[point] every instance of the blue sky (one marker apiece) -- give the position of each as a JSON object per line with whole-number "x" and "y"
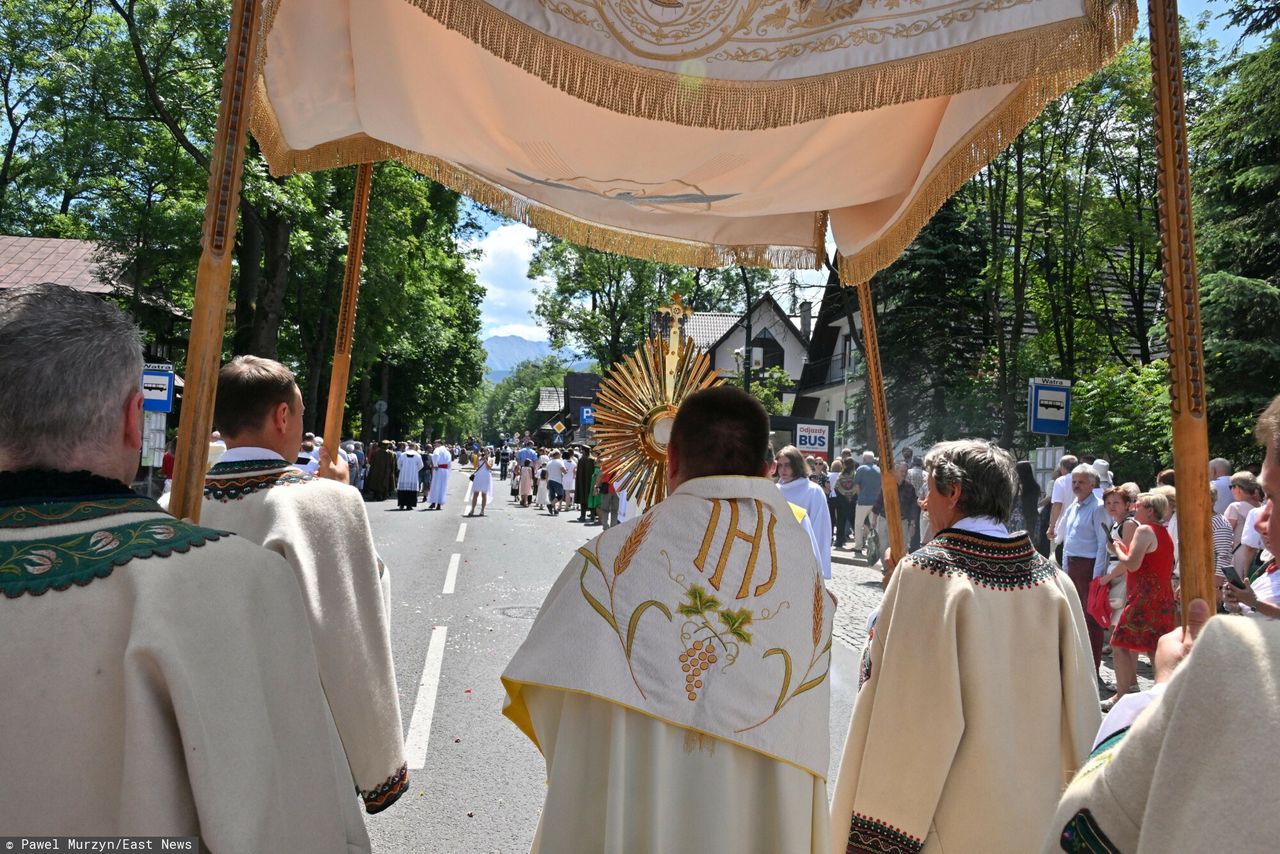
{"x": 506, "y": 247}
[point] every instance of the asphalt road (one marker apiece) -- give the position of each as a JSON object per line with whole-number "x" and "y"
{"x": 483, "y": 783}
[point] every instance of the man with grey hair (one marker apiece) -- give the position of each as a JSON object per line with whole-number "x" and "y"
{"x": 1084, "y": 535}
{"x": 867, "y": 481}
{"x": 1220, "y": 479}
{"x": 976, "y": 701}
{"x": 158, "y": 676}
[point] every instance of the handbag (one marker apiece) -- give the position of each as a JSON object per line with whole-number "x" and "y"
{"x": 1099, "y": 606}
{"x": 1118, "y": 588}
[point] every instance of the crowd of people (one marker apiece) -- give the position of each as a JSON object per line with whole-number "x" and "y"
{"x": 233, "y": 680}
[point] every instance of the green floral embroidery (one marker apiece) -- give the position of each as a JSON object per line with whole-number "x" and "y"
{"x": 58, "y": 562}
{"x": 38, "y": 515}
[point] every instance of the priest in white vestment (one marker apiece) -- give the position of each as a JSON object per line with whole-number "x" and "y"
{"x": 408, "y": 481}
{"x": 158, "y": 677}
{"x": 977, "y": 699}
{"x": 441, "y": 461}
{"x": 676, "y": 679}
{"x": 320, "y": 526}
{"x": 793, "y": 480}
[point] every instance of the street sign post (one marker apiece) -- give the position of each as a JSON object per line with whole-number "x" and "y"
{"x": 157, "y": 387}
{"x": 587, "y": 416}
{"x": 1049, "y": 406}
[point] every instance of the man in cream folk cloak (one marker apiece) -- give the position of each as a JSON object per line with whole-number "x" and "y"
{"x": 320, "y": 526}
{"x": 158, "y": 677}
{"x": 977, "y": 700}
{"x": 676, "y": 678}
{"x": 1189, "y": 765}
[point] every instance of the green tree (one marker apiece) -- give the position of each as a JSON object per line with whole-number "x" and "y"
{"x": 1239, "y": 176}
{"x": 511, "y": 407}
{"x": 1121, "y": 414}
{"x": 1242, "y": 358}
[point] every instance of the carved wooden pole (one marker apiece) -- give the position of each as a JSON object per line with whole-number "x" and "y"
{"x": 213, "y": 276}
{"x": 341, "y": 372}
{"x": 1182, "y": 301}
{"x": 875, "y": 390}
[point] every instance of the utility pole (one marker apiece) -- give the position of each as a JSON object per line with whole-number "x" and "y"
{"x": 746, "y": 350}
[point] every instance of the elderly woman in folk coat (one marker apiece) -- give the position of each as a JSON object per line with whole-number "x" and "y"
{"x": 977, "y": 700}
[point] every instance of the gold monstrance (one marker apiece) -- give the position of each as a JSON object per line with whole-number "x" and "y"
{"x": 637, "y": 403}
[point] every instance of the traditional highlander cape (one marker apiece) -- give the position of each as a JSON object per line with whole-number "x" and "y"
{"x": 1196, "y": 771}
{"x": 706, "y": 616}
{"x": 158, "y": 678}
{"x": 977, "y": 703}
{"x": 321, "y": 528}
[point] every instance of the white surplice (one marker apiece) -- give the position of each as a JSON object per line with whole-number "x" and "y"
{"x": 442, "y": 460}
{"x": 807, "y": 495}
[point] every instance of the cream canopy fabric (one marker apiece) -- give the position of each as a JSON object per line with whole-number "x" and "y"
{"x": 704, "y": 132}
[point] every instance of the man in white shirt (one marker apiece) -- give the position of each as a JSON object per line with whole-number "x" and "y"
{"x": 1060, "y": 497}
{"x": 555, "y": 483}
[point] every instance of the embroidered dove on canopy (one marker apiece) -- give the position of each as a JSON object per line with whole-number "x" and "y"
{"x": 701, "y": 132}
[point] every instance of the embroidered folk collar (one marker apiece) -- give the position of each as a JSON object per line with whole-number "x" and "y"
{"x": 229, "y": 481}
{"x": 998, "y": 563}
{"x": 45, "y": 543}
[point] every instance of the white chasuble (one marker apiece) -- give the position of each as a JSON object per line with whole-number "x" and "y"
{"x": 977, "y": 703}
{"x": 442, "y": 461}
{"x": 321, "y": 528}
{"x": 159, "y": 678}
{"x": 706, "y": 622}
{"x": 410, "y": 467}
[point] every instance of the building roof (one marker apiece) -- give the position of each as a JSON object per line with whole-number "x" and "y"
{"x": 708, "y": 327}
{"x": 32, "y": 260}
{"x": 550, "y": 399}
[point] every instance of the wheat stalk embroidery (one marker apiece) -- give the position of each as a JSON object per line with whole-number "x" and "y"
{"x": 630, "y": 547}
{"x": 786, "y": 695}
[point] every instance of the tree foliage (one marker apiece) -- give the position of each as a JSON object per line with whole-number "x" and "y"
{"x": 511, "y": 407}
{"x": 109, "y": 113}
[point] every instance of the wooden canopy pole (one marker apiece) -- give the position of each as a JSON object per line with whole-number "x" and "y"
{"x": 213, "y": 276}
{"x": 1182, "y": 305}
{"x": 875, "y": 389}
{"x": 341, "y": 372}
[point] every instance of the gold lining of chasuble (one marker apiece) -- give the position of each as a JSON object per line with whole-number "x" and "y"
{"x": 1073, "y": 47}
{"x": 353, "y": 150}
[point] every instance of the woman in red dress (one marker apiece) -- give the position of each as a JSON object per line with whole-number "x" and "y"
{"x": 1149, "y": 609}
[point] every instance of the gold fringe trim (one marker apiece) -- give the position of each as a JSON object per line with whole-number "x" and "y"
{"x": 1076, "y": 46}
{"x": 1108, "y": 26}
{"x": 979, "y": 147}
{"x": 354, "y": 150}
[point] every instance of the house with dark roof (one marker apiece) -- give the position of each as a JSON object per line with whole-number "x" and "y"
{"x": 778, "y": 339}
{"x": 79, "y": 264}
{"x": 832, "y": 375}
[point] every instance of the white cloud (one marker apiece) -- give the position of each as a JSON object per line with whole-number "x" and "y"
{"x": 503, "y": 269}
{"x": 528, "y": 331}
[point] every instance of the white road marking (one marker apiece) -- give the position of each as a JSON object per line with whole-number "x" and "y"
{"x": 462, "y": 532}
{"x": 451, "y": 577}
{"x": 424, "y": 708}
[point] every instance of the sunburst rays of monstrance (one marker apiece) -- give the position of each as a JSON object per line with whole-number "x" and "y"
{"x": 637, "y": 404}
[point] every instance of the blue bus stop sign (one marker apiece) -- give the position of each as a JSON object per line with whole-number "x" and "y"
{"x": 1049, "y": 406}
{"x": 157, "y": 387}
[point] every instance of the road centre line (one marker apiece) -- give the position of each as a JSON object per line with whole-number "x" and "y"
{"x": 451, "y": 577}
{"x": 462, "y": 532}
{"x": 424, "y": 708}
